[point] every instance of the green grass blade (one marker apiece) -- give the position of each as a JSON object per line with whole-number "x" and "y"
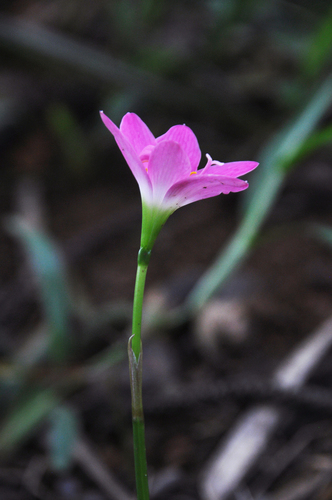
{"x": 72, "y": 141}
{"x": 315, "y": 141}
{"x": 49, "y": 268}
{"x": 275, "y": 162}
{"x": 24, "y": 418}
{"x": 320, "y": 49}
{"x": 322, "y": 232}
{"x": 62, "y": 436}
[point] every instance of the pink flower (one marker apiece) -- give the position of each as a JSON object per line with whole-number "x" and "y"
{"x": 166, "y": 168}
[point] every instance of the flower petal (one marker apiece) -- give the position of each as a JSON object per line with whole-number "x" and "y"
{"x": 200, "y": 187}
{"x": 231, "y": 169}
{"x": 137, "y": 133}
{"x": 168, "y": 164}
{"x": 184, "y": 136}
{"x": 131, "y": 158}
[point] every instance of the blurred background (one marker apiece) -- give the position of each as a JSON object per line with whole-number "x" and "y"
{"x": 236, "y": 283}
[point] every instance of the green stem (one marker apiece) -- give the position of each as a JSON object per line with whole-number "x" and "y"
{"x": 142, "y": 267}
{"x": 135, "y": 369}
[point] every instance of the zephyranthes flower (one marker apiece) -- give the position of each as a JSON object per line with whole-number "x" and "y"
{"x": 166, "y": 169}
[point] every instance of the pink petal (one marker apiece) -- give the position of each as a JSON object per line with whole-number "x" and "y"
{"x": 184, "y": 136}
{"x": 231, "y": 169}
{"x": 137, "y": 133}
{"x": 130, "y": 156}
{"x": 200, "y": 187}
{"x": 168, "y": 164}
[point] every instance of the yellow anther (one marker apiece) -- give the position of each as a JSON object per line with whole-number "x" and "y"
{"x": 191, "y": 173}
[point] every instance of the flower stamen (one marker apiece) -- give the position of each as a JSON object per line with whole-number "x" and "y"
{"x": 211, "y": 163}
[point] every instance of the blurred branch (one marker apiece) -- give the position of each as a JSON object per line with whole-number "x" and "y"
{"x": 249, "y": 436}
{"x": 96, "y": 469}
{"x": 35, "y": 41}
